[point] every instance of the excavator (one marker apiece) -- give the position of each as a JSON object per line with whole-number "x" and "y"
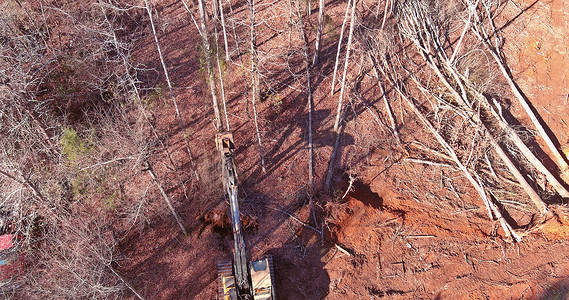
{"x": 238, "y": 278}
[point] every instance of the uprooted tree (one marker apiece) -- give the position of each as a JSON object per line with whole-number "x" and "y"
{"x": 461, "y": 101}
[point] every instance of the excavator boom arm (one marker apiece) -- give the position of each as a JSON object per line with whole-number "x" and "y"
{"x": 254, "y": 279}
{"x": 224, "y": 142}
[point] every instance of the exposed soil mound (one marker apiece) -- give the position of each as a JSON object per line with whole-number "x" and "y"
{"x": 407, "y": 250}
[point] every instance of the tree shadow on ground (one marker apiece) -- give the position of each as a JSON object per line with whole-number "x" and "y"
{"x": 297, "y": 260}
{"x": 558, "y": 290}
{"x": 277, "y": 154}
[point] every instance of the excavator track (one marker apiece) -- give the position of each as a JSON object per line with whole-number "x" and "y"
{"x": 226, "y": 281}
{"x": 272, "y": 271}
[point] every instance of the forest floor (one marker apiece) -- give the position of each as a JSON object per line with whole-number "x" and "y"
{"x": 404, "y": 230}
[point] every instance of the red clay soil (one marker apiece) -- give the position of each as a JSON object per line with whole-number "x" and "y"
{"x": 403, "y": 231}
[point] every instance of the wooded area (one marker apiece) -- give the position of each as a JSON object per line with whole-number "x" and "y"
{"x": 108, "y": 111}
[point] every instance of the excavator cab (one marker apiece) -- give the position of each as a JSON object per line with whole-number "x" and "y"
{"x": 262, "y": 278}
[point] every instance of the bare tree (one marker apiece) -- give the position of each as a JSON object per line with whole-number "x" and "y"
{"x": 486, "y": 16}
{"x": 78, "y": 263}
{"x": 148, "y": 169}
{"x": 491, "y": 207}
{"x": 340, "y": 47}
{"x": 220, "y": 73}
{"x": 339, "y": 110}
{"x": 170, "y": 89}
{"x": 209, "y": 66}
{"x": 222, "y": 16}
{"x": 346, "y": 64}
{"x": 319, "y": 32}
{"x": 307, "y": 69}
{"x": 255, "y": 78}
{"x": 418, "y": 18}
{"x": 45, "y": 172}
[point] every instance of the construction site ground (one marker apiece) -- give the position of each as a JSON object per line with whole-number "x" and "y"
{"x": 404, "y": 230}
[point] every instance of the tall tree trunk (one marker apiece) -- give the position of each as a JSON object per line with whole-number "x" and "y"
{"x": 132, "y": 82}
{"x": 166, "y": 199}
{"x": 235, "y": 39}
{"x": 339, "y": 47}
{"x": 255, "y": 79}
{"x": 220, "y": 72}
{"x": 170, "y": 89}
{"x": 222, "y": 15}
{"x": 339, "y": 114}
{"x": 384, "y": 14}
{"x": 346, "y": 63}
{"x": 192, "y": 16}
{"x": 305, "y": 52}
{"x": 305, "y": 49}
{"x": 319, "y": 32}
{"x": 207, "y": 55}
{"x": 328, "y": 181}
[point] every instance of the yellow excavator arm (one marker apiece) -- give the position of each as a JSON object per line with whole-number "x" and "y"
{"x": 238, "y": 279}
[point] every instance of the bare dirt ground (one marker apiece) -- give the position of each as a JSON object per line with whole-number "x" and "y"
{"x": 404, "y": 231}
